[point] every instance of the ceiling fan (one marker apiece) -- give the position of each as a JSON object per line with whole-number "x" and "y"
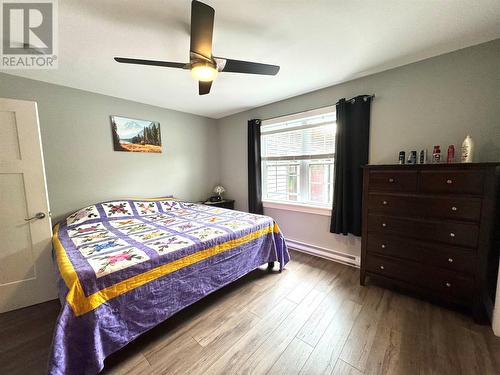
{"x": 203, "y": 65}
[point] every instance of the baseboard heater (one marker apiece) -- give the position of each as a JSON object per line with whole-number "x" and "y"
{"x": 336, "y": 256}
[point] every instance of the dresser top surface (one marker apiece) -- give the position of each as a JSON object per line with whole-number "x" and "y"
{"x": 434, "y": 166}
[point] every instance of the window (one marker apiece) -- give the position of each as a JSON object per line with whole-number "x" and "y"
{"x": 297, "y": 158}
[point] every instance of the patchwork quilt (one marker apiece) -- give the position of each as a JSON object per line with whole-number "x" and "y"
{"x": 127, "y": 265}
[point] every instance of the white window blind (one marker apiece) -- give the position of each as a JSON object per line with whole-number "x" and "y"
{"x": 297, "y": 158}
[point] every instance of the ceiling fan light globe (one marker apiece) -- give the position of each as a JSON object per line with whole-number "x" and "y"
{"x": 204, "y": 73}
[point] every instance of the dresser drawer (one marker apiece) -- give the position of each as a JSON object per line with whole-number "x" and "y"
{"x": 453, "y": 233}
{"x": 396, "y": 181}
{"x": 443, "y": 282}
{"x": 446, "y": 208}
{"x": 452, "y": 182}
{"x": 436, "y": 255}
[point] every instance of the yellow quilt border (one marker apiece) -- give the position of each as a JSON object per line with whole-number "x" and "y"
{"x": 81, "y": 304}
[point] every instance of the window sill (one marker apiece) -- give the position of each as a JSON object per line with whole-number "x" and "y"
{"x": 298, "y": 207}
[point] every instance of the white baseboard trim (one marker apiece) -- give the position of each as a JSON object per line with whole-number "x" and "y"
{"x": 336, "y": 256}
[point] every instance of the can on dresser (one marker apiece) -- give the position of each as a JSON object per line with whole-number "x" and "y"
{"x": 412, "y": 159}
{"x": 402, "y": 157}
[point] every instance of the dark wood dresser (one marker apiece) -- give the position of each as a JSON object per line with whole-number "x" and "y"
{"x": 432, "y": 229}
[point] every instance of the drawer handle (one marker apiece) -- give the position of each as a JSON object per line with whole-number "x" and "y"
{"x": 391, "y": 180}
{"x": 384, "y": 225}
{"x": 450, "y": 260}
{"x": 448, "y": 285}
{"x": 384, "y": 203}
{"x": 382, "y": 267}
{"x": 453, "y": 208}
{"x": 383, "y": 246}
{"x": 449, "y": 182}
{"x": 452, "y": 234}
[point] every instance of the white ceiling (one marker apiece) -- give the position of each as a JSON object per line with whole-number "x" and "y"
{"x": 317, "y": 43}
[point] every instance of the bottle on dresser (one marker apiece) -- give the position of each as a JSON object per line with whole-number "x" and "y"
{"x": 436, "y": 154}
{"x": 467, "y": 150}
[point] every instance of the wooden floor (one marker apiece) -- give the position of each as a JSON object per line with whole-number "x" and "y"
{"x": 313, "y": 318}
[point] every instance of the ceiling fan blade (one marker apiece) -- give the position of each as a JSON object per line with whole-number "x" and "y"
{"x": 239, "y": 66}
{"x": 204, "y": 87}
{"x": 167, "y": 64}
{"x": 202, "y": 27}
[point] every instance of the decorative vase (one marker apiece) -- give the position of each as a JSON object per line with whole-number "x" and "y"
{"x": 467, "y": 150}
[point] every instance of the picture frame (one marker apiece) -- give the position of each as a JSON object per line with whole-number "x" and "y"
{"x": 135, "y": 135}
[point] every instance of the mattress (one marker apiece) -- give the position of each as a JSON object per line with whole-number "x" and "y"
{"x": 125, "y": 266}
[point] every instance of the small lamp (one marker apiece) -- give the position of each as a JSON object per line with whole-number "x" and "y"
{"x": 219, "y": 189}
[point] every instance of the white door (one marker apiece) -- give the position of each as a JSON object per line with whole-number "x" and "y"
{"x": 26, "y": 272}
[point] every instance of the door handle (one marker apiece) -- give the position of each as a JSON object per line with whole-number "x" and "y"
{"x": 39, "y": 215}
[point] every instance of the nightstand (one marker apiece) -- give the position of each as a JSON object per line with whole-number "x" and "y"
{"x": 225, "y": 203}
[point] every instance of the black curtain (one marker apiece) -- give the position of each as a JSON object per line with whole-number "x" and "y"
{"x": 254, "y": 168}
{"x": 351, "y": 154}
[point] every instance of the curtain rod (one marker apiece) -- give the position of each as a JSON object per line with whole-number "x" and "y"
{"x": 313, "y": 109}
{"x": 352, "y": 100}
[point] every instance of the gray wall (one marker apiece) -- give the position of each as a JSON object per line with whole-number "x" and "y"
{"x": 80, "y": 163}
{"x": 434, "y": 101}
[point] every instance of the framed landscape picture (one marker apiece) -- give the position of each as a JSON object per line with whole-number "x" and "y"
{"x": 134, "y": 135}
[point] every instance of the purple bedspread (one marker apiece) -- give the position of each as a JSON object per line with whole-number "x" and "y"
{"x": 125, "y": 266}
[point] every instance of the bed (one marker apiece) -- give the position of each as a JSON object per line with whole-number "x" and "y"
{"x": 125, "y": 266}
